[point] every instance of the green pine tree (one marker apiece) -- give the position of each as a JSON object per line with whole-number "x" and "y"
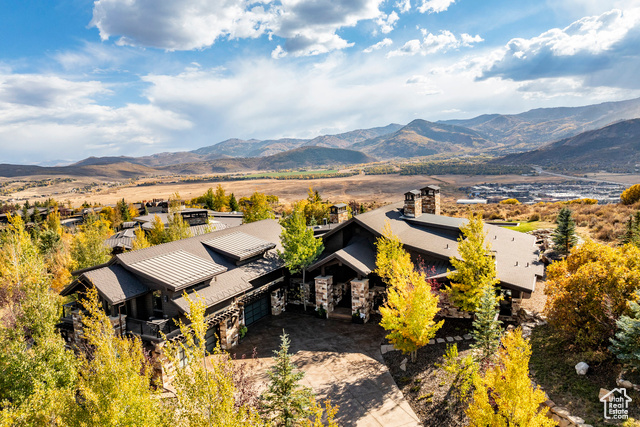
{"x": 285, "y": 401}
{"x": 632, "y": 230}
{"x": 564, "y": 237}
{"x": 626, "y": 344}
{"x": 233, "y": 203}
{"x": 487, "y": 329}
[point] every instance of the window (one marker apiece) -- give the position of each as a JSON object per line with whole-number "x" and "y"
{"x": 157, "y": 303}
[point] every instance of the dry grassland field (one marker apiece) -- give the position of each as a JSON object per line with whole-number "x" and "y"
{"x": 361, "y": 188}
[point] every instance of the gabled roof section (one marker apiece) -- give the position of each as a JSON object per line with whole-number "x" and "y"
{"x": 239, "y": 246}
{"x": 113, "y": 283}
{"x": 359, "y": 256}
{"x": 177, "y": 270}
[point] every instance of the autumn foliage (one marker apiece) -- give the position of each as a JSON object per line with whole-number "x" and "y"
{"x": 588, "y": 291}
{"x": 505, "y": 396}
{"x": 631, "y": 195}
{"x": 411, "y": 304}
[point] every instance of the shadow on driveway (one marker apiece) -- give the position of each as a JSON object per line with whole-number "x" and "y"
{"x": 341, "y": 361}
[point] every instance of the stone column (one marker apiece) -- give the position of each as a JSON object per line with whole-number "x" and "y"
{"x": 324, "y": 293}
{"x": 78, "y": 328}
{"x": 278, "y": 301}
{"x": 360, "y": 299}
{"x": 229, "y": 330}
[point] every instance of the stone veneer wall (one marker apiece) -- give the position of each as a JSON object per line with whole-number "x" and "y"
{"x": 324, "y": 292}
{"x": 431, "y": 204}
{"x": 278, "y": 301}
{"x": 338, "y": 218}
{"x": 413, "y": 206}
{"x": 229, "y": 330}
{"x": 360, "y": 298}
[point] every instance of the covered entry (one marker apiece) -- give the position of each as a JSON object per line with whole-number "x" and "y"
{"x": 343, "y": 278}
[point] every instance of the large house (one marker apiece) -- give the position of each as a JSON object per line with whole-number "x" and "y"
{"x": 240, "y": 277}
{"x": 344, "y": 275}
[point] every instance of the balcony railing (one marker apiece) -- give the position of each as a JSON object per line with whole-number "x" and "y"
{"x": 151, "y": 328}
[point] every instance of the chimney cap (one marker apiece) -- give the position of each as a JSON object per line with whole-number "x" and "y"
{"x": 339, "y": 205}
{"x": 414, "y": 192}
{"x": 431, "y": 187}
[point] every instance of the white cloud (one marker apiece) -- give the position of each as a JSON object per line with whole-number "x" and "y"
{"x": 308, "y": 27}
{"x": 387, "y": 22}
{"x": 47, "y": 116}
{"x": 433, "y": 43}
{"x": 435, "y": 6}
{"x": 602, "y": 48}
{"x": 383, "y": 43}
{"x": 403, "y": 6}
{"x": 278, "y": 52}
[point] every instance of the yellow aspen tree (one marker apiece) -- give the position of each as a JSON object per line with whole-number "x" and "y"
{"x": 411, "y": 305}
{"x": 114, "y": 384}
{"x": 141, "y": 241}
{"x": 204, "y": 387}
{"x": 505, "y": 396}
{"x": 474, "y": 270}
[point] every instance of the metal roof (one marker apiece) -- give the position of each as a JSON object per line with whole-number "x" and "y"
{"x": 234, "y": 282}
{"x": 414, "y": 192}
{"x": 239, "y": 246}
{"x": 178, "y": 269}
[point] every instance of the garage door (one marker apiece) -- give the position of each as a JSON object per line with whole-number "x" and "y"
{"x": 257, "y": 310}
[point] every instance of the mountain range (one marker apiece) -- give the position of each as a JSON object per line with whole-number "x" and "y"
{"x": 496, "y": 134}
{"x": 616, "y": 147}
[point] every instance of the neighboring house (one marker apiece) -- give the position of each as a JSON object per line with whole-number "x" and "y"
{"x": 200, "y": 222}
{"x": 195, "y": 217}
{"x": 241, "y": 278}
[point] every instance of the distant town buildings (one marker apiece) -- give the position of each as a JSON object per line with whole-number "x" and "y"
{"x": 548, "y": 192}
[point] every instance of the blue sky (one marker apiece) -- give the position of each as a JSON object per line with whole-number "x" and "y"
{"x": 135, "y": 77}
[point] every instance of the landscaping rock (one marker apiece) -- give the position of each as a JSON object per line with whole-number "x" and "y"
{"x": 467, "y": 336}
{"x": 603, "y": 393}
{"x": 625, "y": 383}
{"x": 457, "y": 338}
{"x": 582, "y": 368}
{"x": 450, "y": 339}
{"x": 440, "y": 340}
{"x": 575, "y": 420}
{"x": 403, "y": 364}
{"x": 432, "y": 341}
{"x": 560, "y": 411}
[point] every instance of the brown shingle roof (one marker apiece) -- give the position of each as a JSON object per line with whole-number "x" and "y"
{"x": 436, "y": 236}
{"x": 114, "y": 283}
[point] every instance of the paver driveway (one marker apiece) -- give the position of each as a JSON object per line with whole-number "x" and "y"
{"x": 341, "y": 361}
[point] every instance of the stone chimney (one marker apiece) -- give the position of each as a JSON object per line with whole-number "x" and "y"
{"x": 431, "y": 199}
{"x": 338, "y": 213}
{"x": 412, "y": 204}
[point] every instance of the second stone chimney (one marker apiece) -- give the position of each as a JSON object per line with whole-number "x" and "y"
{"x": 412, "y": 204}
{"x": 338, "y": 213}
{"x": 430, "y": 199}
